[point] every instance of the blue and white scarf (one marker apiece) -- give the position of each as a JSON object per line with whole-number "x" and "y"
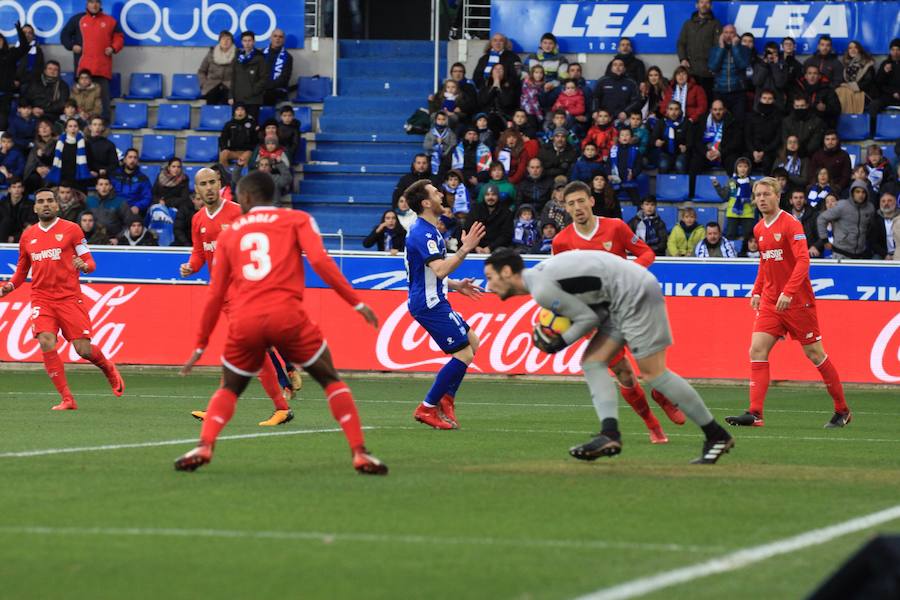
{"x": 82, "y": 172}
{"x": 244, "y": 57}
{"x": 614, "y": 161}
{"x": 161, "y": 221}
{"x": 460, "y": 198}
{"x": 671, "y": 128}
{"x": 712, "y": 134}
{"x": 278, "y": 65}
{"x": 817, "y": 194}
{"x": 792, "y": 165}
{"x": 437, "y": 151}
{"x": 32, "y": 56}
{"x": 743, "y": 193}
{"x": 493, "y": 59}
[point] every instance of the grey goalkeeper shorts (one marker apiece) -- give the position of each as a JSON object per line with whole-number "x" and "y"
{"x": 642, "y": 322}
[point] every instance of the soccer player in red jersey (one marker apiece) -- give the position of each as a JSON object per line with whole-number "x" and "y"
{"x": 259, "y": 268}
{"x": 206, "y": 226}
{"x": 589, "y": 232}
{"x": 784, "y": 303}
{"x": 56, "y": 253}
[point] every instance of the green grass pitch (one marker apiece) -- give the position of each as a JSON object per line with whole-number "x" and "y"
{"x": 495, "y": 510}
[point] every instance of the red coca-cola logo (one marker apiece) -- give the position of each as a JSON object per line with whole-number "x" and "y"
{"x": 884, "y": 359}
{"x": 505, "y": 347}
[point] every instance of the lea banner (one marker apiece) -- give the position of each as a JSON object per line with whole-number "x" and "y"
{"x": 163, "y": 22}
{"x": 595, "y": 27}
{"x": 156, "y": 324}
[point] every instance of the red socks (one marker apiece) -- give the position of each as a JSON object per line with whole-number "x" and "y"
{"x": 833, "y": 384}
{"x": 54, "y": 366}
{"x": 218, "y": 413}
{"x": 343, "y": 409}
{"x": 759, "y": 385}
{"x": 99, "y": 360}
{"x": 636, "y": 398}
{"x": 269, "y": 380}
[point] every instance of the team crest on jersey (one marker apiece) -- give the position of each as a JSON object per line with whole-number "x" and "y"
{"x": 225, "y": 226}
{"x": 777, "y": 237}
{"x": 203, "y": 230}
{"x": 58, "y": 237}
{"x": 607, "y": 246}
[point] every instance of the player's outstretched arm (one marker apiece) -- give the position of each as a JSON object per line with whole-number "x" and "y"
{"x": 368, "y": 314}
{"x": 189, "y": 365}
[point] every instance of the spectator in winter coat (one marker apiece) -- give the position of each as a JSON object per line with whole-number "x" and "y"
{"x": 136, "y": 234}
{"x": 826, "y": 62}
{"x": 449, "y": 101}
{"x": 238, "y": 138}
{"x": 505, "y": 189}
{"x": 101, "y": 38}
{"x": 555, "y": 210}
{"x": 603, "y": 134}
{"x": 738, "y": 193}
{"x": 587, "y": 165}
{"x": 456, "y": 194}
{"x": 419, "y": 169}
{"x": 171, "y": 185}
{"x": 685, "y": 235}
{"x": 70, "y": 38}
{"x": 471, "y": 157}
{"x": 553, "y": 64}
{"x": 878, "y": 169}
{"x": 510, "y": 152}
{"x": 102, "y": 155}
{"x": 717, "y": 140}
{"x": 795, "y": 166}
{"x": 497, "y": 217}
{"x": 640, "y": 133}
{"x": 22, "y": 125}
{"x": 498, "y": 51}
{"x": 806, "y": 126}
{"x": 70, "y": 111}
{"x": 72, "y": 201}
{"x": 131, "y": 184}
{"x": 70, "y": 158}
{"x": 183, "y": 220}
{"x": 558, "y": 155}
{"x": 465, "y": 90}
{"x": 698, "y": 36}
{"x": 625, "y": 165}
{"x": 498, "y": 98}
{"x": 821, "y": 97}
{"x": 606, "y": 204}
{"x": 532, "y": 93}
{"x": 669, "y": 140}
{"x": 850, "y": 223}
{"x": 771, "y": 74}
{"x": 807, "y": 215}
{"x": 858, "y": 79}
{"x": 715, "y": 245}
{"x": 216, "y": 72}
{"x": 280, "y": 65}
{"x": 535, "y": 188}
{"x": 634, "y": 67}
{"x": 288, "y": 131}
{"x": 439, "y": 143}
{"x": 688, "y": 93}
{"x": 388, "y": 235}
{"x": 111, "y": 211}
{"x": 522, "y": 122}
{"x": 728, "y": 62}
{"x": 789, "y": 58}
{"x": 762, "y": 133}
{"x": 545, "y": 244}
{"x": 12, "y": 163}
{"x": 525, "y": 229}
{"x": 48, "y": 94}
{"x": 617, "y": 93}
{"x": 31, "y": 65}
{"x": 94, "y": 234}
{"x": 16, "y": 212}
{"x": 835, "y": 159}
{"x": 281, "y": 174}
{"x": 886, "y": 91}
{"x": 880, "y": 236}
{"x": 251, "y": 76}
{"x": 87, "y": 95}
{"x": 9, "y": 57}
{"x": 572, "y": 101}
{"x": 820, "y": 189}
{"x": 40, "y": 158}
{"x": 649, "y": 227}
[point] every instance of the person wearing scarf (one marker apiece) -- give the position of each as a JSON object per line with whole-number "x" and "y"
{"x": 135, "y": 234}
{"x": 30, "y": 65}
{"x": 172, "y": 186}
{"x": 439, "y": 142}
{"x": 48, "y": 94}
{"x": 387, "y": 236}
{"x": 496, "y": 52}
{"x": 471, "y": 157}
{"x": 686, "y": 234}
{"x": 648, "y": 226}
{"x": 625, "y": 165}
{"x": 739, "y": 216}
{"x": 669, "y": 140}
{"x": 859, "y": 79}
{"x": 251, "y": 76}
{"x": 216, "y": 72}
{"x": 549, "y": 58}
{"x": 70, "y": 158}
{"x": 456, "y": 193}
{"x": 281, "y": 66}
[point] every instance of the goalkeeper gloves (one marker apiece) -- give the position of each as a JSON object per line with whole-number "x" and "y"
{"x": 548, "y": 342}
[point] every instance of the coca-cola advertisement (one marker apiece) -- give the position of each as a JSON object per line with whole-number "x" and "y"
{"x": 156, "y": 324}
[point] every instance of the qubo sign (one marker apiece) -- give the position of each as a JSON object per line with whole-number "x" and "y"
{"x": 164, "y": 22}
{"x": 654, "y": 27}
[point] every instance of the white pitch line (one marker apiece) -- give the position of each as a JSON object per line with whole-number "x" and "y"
{"x": 105, "y": 447}
{"x": 330, "y": 537}
{"x": 742, "y": 558}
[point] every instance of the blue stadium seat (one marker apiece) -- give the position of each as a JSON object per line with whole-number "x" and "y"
{"x": 304, "y": 117}
{"x": 853, "y": 128}
{"x": 145, "y": 86}
{"x": 185, "y": 86}
{"x": 68, "y": 77}
{"x": 115, "y": 86}
{"x": 669, "y": 215}
{"x": 213, "y": 117}
{"x": 158, "y": 147}
{"x": 313, "y": 89}
{"x": 130, "y": 116}
{"x": 707, "y": 214}
{"x": 705, "y": 192}
{"x": 672, "y": 188}
{"x": 201, "y": 148}
{"x": 190, "y": 171}
{"x": 173, "y": 116}
{"x": 890, "y": 153}
{"x": 855, "y": 152}
{"x": 151, "y": 171}
{"x": 887, "y": 127}
{"x": 122, "y": 142}
{"x": 266, "y": 113}
{"x": 628, "y": 211}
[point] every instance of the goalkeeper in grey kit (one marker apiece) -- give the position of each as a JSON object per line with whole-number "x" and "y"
{"x": 623, "y": 302}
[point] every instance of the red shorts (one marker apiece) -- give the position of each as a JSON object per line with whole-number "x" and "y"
{"x": 619, "y": 357}
{"x": 51, "y": 316}
{"x": 293, "y": 334}
{"x": 802, "y": 323}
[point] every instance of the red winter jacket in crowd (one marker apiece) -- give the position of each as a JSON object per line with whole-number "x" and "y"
{"x": 99, "y": 32}
{"x": 697, "y": 103}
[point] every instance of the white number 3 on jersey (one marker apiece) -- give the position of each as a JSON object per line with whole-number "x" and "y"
{"x": 261, "y": 262}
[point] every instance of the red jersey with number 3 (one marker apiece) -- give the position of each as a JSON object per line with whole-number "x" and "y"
{"x": 258, "y": 264}
{"x": 610, "y": 235}
{"x": 205, "y": 231}
{"x": 49, "y": 254}
{"x": 783, "y": 261}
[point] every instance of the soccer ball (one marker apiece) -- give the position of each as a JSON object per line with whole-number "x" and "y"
{"x": 552, "y": 323}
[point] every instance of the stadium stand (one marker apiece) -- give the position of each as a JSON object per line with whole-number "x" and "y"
{"x": 157, "y": 148}
{"x": 213, "y": 117}
{"x": 185, "y": 86}
{"x": 173, "y": 116}
{"x": 201, "y": 148}
{"x": 145, "y": 86}
{"x": 130, "y": 116}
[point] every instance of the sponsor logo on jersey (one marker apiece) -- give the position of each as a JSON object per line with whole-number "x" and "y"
{"x": 48, "y": 254}
{"x": 432, "y": 247}
{"x": 209, "y": 246}
{"x": 775, "y": 254}
{"x": 800, "y": 236}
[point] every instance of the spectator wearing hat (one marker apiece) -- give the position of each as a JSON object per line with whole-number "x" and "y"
{"x": 471, "y": 157}
{"x": 135, "y": 234}
{"x": 886, "y": 91}
{"x": 545, "y": 244}
{"x": 558, "y": 155}
{"x": 216, "y": 72}
{"x": 496, "y": 215}
{"x": 251, "y": 76}
{"x": 281, "y": 65}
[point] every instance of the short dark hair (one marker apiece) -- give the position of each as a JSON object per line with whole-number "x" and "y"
{"x": 248, "y": 33}
{"x": 258, "y": 186}
{"x": 830, "y": 132}
{"x": 714, "y": 224}
{"x": 226, "y": 33}
{"x": 6, "y": 136}
{"x": 286, "y": 108}
{"x": 458, "y": 64}
{"x": 129, "y": 151}
{"x": 576, "y": 186}
{"x": 505, "y": 257}
{"x": 636, "y": 112}
{"x": 44, "y": 189}
{"x": 11, "y": 181}
{"x": 415, "y": 194}
{"x": 649, "y": 198}
{"x": 106, "y": 177}
{"x": 66, "y": 183}
{"x": 102, "y": 120}
{"x": 87, "y": 72}
{"x": 51, "y": 62}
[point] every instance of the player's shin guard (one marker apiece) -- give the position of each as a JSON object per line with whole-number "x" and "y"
{"x": 637, "y": 400}
{"x": 99, "y": 360}
{"x": 759, "y": 385}
{"x": 269, "y": 380}
{"x": 54, "y": 366}
{"x": 218, "y": 413}
{"x": 833, "y": 384}
{"x": 675, "y": 388}
{"x": 603, "y": 390}
{"x": 343, "y": 409}
{"x": 448, "y": 378}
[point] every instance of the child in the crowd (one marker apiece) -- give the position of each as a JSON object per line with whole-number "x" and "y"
{"x": 749, "y": 247}
{"x": 625, "y": 164}
{"x": 587, "y": 165}
{"x": 830, "y": 201}
{"x": 861, "y": 173}
{"x": 545, "y": 244}
{"x": 22, "y": 125}
{"x": 878, "y": 169}
{"x": 817, "y": 192}
{"x": 456, "y": 194}
{"x": 649, "y": 227}
{"x": 405, "y": 214}
{"x": 523, "y": 124}
{"x": 532, "y": 90}
{"x": 525, "y": 230}
{"x": 70, "y": 111}
{"x": 602, "y": 133}
{"x": 439, "y": 142}
{"x": 570, "y": 100}
{"x": 639, "y": 133}
{"x": 485, "y": 135}
{"x": 554, "y": 121}
{"x": 446, "y": 101}
{"x": 739, "y": 217}
{"x": 288, "y": 131}
{"x": 686, "y": 234}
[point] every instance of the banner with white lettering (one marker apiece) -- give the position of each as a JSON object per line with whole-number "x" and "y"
{"x": 596, "y": 27}
{"x": 163, "y": 22}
